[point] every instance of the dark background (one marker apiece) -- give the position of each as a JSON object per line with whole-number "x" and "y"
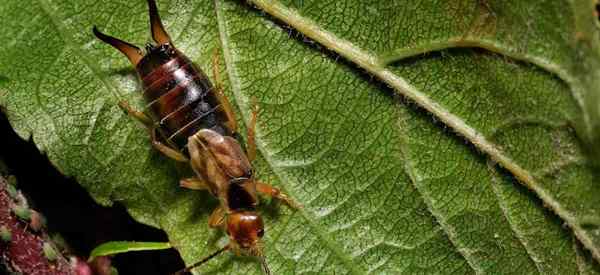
{"x": 71, "y": 212}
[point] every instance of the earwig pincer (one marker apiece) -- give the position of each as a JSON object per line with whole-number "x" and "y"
{"x": 190, "y": 120}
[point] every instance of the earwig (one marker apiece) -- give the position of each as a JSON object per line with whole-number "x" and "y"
{"x": 191, "y": 120}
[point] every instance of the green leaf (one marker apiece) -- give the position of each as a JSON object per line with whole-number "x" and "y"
{"x": 112, "y": 248}
{"x": 499, "y": 93}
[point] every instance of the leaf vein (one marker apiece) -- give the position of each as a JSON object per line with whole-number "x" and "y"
{"x": 68, "y": 38}
{"x": 236, "y": 87}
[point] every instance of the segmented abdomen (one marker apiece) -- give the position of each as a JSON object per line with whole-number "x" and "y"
{"x": 180, "y": 98}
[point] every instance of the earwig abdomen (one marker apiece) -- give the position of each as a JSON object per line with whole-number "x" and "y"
{"x": 180, "y": 97}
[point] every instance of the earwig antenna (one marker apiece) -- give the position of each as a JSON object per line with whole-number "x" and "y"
{"x": 133, "y": 53}
{"x": 189, "y": 268}
{"x": 265, "y": 267}
{"x": 158, "y": 30}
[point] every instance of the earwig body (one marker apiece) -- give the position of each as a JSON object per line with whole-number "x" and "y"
{"x": 180, "y": 98}
{"x": 196, "y": 124}
{"x": 181, "y": 102}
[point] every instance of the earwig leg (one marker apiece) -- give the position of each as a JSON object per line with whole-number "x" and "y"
{"x": 170, "y": 153}
{"x": 225, "y": 104}
{"x": 251, "y": 134}
{"x": 270, "y": 191}
{"x": 166, "y": 150}
{"x": 193, "y": 183}
{"x": 141, "y": 117}
{"x": 217, "y": 218}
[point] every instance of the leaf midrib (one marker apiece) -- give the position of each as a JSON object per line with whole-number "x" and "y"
{"x": 375, "y": 67}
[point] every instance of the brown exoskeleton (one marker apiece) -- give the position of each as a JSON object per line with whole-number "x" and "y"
{"x": 190, "y": 120}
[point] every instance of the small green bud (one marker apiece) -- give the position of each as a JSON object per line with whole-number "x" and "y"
{"x": 22, "y": 212}
{"x": 5, "y": 234}
{"x": 59, "y": 241}
{"x": 12, "y": 180}
{"x": 12, "y": 191}
{"x": 49, "y": 252}
{"x": 113, "y": 271}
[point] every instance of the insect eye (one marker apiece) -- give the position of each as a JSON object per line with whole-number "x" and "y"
{"x": 260, "y": 233}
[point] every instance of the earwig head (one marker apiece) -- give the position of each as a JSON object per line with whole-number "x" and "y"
{"x": 245, "y": 229}
{"x": 133, "y": 53}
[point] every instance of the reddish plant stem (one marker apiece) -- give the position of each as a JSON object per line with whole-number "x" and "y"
{"x": 23, "y": 253}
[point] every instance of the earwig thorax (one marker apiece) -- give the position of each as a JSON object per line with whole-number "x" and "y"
{"x": 227, "y": 152}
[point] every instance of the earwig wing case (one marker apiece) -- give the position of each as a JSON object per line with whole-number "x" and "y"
{"x": 451, "y": 137}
